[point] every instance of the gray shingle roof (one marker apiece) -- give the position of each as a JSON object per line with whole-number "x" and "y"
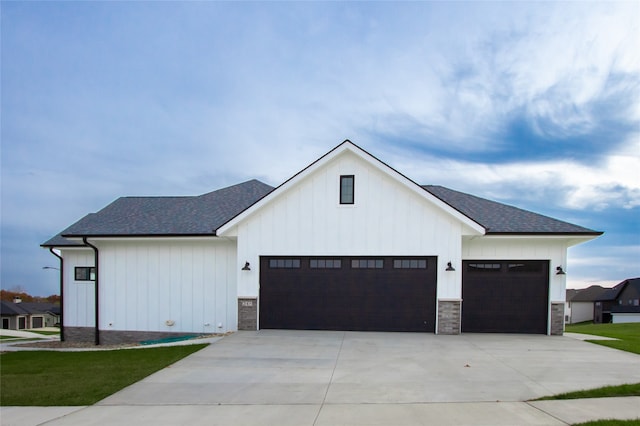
{"x": 498, "y": 218}
{"x": 28, "y": 308}
{"x": 625, "y": 309}
{"x": 614, "y": 292}
{"x": 11, "y": 309}
{"x": 203, "y": 214}
{"x": 589, "y": 294}
{"x": 158, "y": 216}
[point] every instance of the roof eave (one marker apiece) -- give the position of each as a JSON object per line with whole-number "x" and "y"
{"x": 74, "y": 237}
{"x": 571, "y": 238}
{"x": 560, "y": 234}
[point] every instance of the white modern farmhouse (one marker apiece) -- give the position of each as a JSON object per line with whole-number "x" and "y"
{"x": 348, "y": 243}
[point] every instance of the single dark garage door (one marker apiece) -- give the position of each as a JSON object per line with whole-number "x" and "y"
{"x": 348, "y": 293}
{"x": 505, "y": 296}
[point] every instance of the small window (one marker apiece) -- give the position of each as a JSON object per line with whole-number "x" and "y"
{"x": 525, "y": 267}
{"x": 485, "y": 267}
{"x": 367, "y": 263}
{"x": 410, "y": 263}
{"x": 347, "y": 189}
{"x": 85, "y": 273}
{"x": 325, "y": 263}
{"x": 284, "y": 263}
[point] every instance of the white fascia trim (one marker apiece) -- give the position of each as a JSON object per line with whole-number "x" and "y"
{"x": 144, "y": 238}
{"x": 383, "y": 167}
{"x": 570, "y": 239}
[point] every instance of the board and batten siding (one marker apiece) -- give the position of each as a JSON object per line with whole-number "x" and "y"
{"x": 147, "y": 284}
{"x": 79, "y": 296}
{"x": 387, "y": 218}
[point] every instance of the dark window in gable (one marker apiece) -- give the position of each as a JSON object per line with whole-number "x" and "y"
{"x": 85, "y": 273}
{"x": 347, "y": 189}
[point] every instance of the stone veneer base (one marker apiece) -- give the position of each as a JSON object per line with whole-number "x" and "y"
{"x": 449, "y": 316}
{"x": 247, "y": 313}
{"x": 557, "y": 318}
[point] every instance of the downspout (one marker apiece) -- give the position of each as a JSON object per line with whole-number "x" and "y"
{"x": 95, "y": 251}
{"x": 61, "y": 292}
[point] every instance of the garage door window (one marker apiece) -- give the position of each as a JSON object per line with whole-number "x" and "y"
{"x": 325, "y": 263}
{"x": 410, "y": 263}
{"x": 367, "y": 263}
{"x": 485, "y": 267}
{"x": 535, "y": 267}
{"x": 284, "y": 263}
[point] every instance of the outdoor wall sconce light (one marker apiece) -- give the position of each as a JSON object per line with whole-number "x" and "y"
{"x": 246, "y": 267}
{"x": 559, "y": 271}
{"x": 450, "y": 267}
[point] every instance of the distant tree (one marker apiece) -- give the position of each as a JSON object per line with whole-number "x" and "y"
{"x": 54, "y": 298}
{"x": 10, "y": 295}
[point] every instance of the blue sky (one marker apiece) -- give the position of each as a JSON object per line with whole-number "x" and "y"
{"x": 532, "y": 104}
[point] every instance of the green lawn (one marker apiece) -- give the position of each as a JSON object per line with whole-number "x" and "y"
{"x": 44, "y": 332}
{"x": 631, "y": 389}
{"x": 629, "y": 334}
{"x": 610, "y": 422}
{"x": 49, "y": 378}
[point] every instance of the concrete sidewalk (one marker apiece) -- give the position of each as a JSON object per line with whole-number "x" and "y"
{"x": 455, "y": 414}
{"x": 332, "y": 378}
{"x": 26, "y": 334}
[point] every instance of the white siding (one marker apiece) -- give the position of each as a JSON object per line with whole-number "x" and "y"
{"x": 620, "y": 318}
{"x": 79, "y": 296}
{"x": 581, "y": 311}
{"x": 387, "y": 218}
{"x": 146, "y": 282}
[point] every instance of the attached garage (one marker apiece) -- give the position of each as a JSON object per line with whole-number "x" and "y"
{"x": 505, "y": 296}
{"x": 370, "y": 293}
{"x": 347, "y": 243}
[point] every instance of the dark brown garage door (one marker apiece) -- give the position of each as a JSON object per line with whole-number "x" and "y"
{"x": 37, "y": 322}
{"x": 348, "y": 293}
{"x": 505, "y": 296}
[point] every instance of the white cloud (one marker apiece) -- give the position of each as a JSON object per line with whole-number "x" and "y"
{"x": 554, "y": 62}
{"x": 614, "y": 182}
{"x": 588, "y": 267}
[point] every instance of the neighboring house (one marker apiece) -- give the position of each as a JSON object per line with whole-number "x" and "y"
{"x": 582, "y": 304}
{"x": 27, "y": 315}
{"x": 567, "y": 304}
{"x": 620, "y": 303}
{"x": 348, "y": 243}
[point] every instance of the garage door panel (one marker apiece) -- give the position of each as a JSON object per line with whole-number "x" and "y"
{"x": 348, "y": 298}
{"x": 505, "y": 296}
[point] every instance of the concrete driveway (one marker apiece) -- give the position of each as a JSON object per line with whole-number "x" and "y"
{"x": 328, "y": 378}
